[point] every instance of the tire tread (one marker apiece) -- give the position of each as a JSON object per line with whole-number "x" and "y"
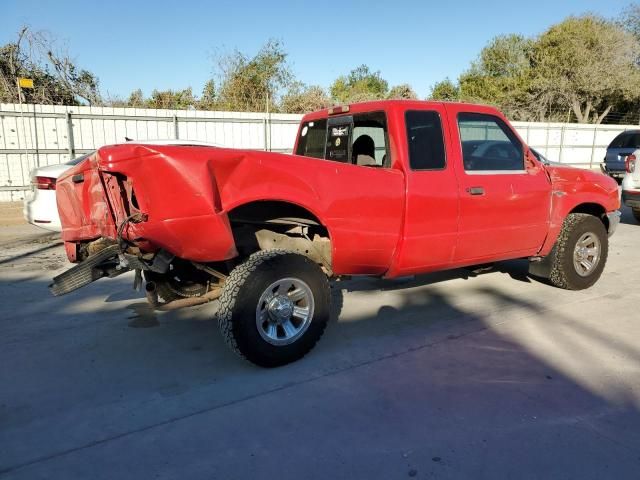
{"x": 230, "y": 292}
{"x": 559, "y": 276}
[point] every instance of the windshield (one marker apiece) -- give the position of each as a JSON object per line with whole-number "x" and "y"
{"x": 626, "y": 140}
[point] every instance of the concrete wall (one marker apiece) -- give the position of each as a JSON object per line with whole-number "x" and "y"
{"x": 45, "y": 135}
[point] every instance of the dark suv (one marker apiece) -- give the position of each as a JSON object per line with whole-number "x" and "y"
{"x": 617, "y": 151}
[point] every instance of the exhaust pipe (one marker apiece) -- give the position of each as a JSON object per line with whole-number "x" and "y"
{"x": 152, "y": 298}
{"x": 151, "y": 293}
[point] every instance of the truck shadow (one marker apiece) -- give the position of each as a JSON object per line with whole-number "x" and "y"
{"x": 471, "y": 356}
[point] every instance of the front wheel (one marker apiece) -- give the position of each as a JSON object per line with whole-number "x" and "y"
{"x": 580, "y": 253}
{"x": 274, "y": 307}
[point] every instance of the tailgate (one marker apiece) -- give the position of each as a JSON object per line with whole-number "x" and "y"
{"x": 83, "y": 206}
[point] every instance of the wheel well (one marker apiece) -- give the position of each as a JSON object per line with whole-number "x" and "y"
{"x": 268, "y": 224}
{"x": 594, "y": 209}
{"x": 265, "y": 210}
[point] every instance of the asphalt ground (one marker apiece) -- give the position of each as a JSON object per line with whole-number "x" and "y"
{"x": 448, "y": 375}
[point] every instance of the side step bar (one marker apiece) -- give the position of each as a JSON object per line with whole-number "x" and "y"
{"x": 84, "y": 273}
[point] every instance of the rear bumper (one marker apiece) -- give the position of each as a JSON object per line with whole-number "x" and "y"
{"x": 612, "y": 172}
{"x": 631, "y": 198}
{"x": 40, "y": 209}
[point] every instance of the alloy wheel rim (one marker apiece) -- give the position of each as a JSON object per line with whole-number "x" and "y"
{"x": 586, "y": 254}
{"x": 284, "y": 311}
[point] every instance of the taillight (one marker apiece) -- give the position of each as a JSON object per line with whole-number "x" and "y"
{"x": 630, "y": 163}
{"x": 44, "y": 183}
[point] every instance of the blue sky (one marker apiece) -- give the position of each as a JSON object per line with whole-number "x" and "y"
{"x": 171, "y": 44}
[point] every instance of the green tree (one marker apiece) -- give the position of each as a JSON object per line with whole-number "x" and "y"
{"x": 502, "y": 76}
{"x": 208, "y": 99}
{"x": 171, "y": 99}
{"x": 587, "y": 64}
{"x": 57, "y": 79}
{"x": 359, "y": 85}
{"x": 445, "y": 90}
{"x": 301, "y": 98}
{"x": 248, "y": 83}
{"x": 136, "y": 99}
{"x": 402, "y": 92}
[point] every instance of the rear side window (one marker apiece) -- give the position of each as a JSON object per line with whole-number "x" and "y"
{"x": 425, "y": 139}
{"x": 488, "y": 144}
{"x": 626, "y": 140}
{"x": 369, "y": 143}
{"x": 359, "y": 139}
{"x": 312, "y": 139}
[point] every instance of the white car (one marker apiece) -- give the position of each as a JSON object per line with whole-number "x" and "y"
{"x": 40, "y": 208}
{"x": 631, "y": 183}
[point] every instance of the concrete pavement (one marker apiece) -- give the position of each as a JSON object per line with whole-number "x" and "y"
{"x": 449, "y": 375}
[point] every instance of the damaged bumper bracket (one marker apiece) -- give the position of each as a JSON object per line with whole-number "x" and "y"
{"x": 84, "y": 273}
{"x": 108, "y": 262}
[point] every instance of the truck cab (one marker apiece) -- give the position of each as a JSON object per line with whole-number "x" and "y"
{"x": 473, "y": 191}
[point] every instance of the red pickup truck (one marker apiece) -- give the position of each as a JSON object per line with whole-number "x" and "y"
{"x": 389, "y": 188}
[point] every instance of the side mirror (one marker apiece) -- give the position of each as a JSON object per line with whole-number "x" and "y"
{"x": 531, "y": 163}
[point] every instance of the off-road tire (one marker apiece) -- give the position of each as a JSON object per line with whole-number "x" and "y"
{"x": 239, "y": 300}
{"x": 636, "y": 213}
{"x": 563, "y": 273}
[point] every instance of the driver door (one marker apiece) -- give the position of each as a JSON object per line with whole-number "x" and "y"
{"x": 504, "y": 201}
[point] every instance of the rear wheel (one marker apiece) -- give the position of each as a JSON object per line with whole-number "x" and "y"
{"x": 580, "y": 253}
{"x": 274, "y": 307}
{"x": 636, "y": 213}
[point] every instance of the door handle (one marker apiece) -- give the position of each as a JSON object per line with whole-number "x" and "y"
{"x": 475, "y": 190}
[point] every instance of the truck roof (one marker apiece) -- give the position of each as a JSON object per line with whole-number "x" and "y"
{"x": 387, "y": 106}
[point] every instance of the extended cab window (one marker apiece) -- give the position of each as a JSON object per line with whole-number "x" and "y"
{"x": 425, "y": 139}
{"x": 488, "y": 144}
{"x": 312, "y": 139}
{"x": 369, "y": 145}
{"x": 359, "y": 139}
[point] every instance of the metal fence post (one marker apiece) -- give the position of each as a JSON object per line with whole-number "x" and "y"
{"x": 264, "y": 124}
{"x": 561, "y": 143}
{"x": 546, "y": 139}
{"x": 72, "y": 146}
{"x": 35, "y": 135}
{"x": 593, "y": 145}
{"x": 176, "y": 131}
{"x": 6, "y": 157}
